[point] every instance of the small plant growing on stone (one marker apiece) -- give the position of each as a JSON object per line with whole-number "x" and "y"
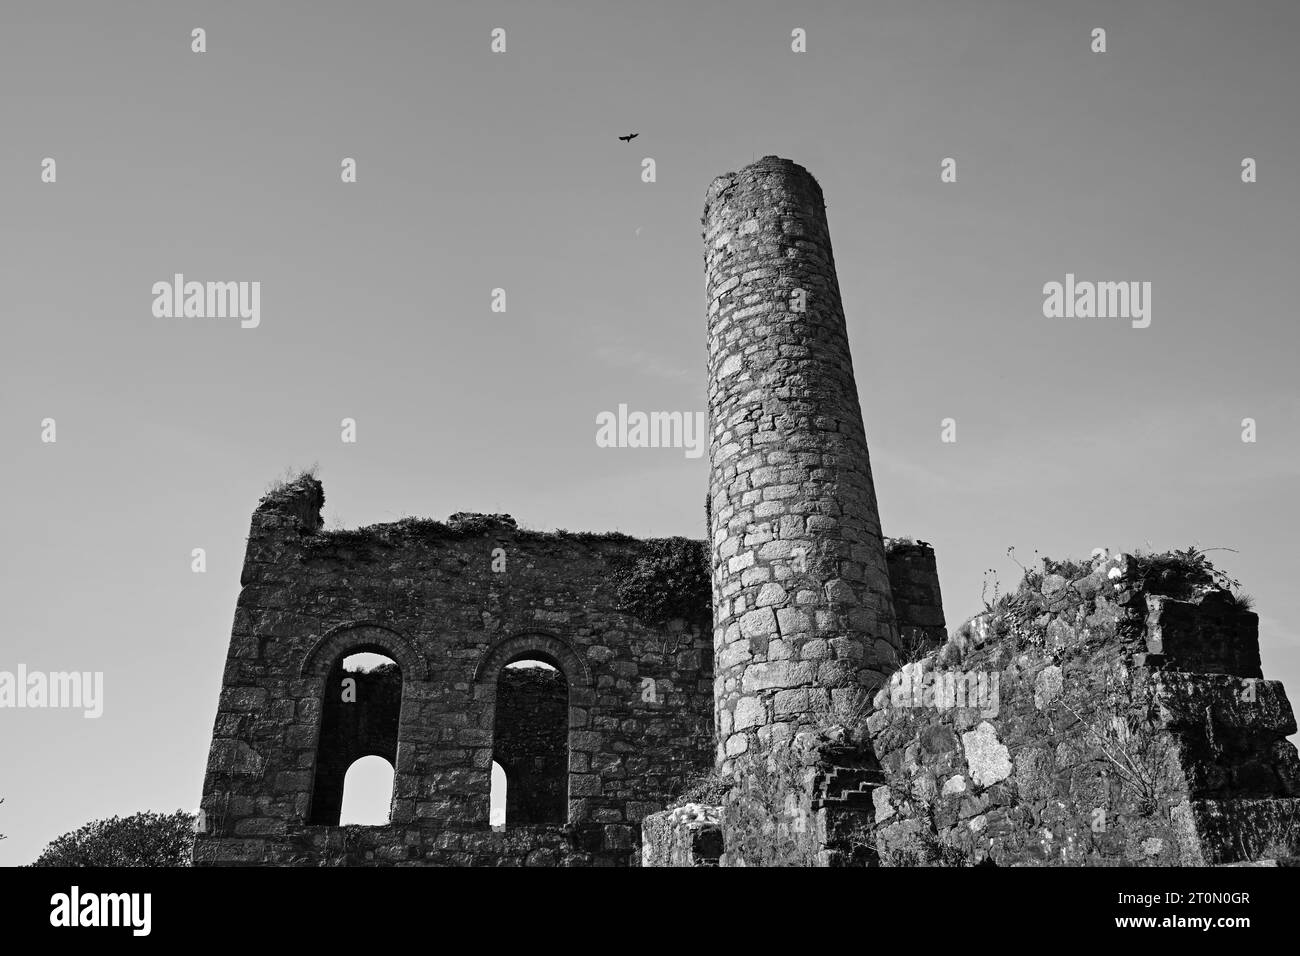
{"x": 1181, "y": 574}
{"x": 847, "y": 708}
{"x": 709, "y": 788}
{"x": 1280, "y": 840}
{"x": 1243, "y": 601}
{"x": 849, "y": 711}
{"x": 932, "y": 851}
{"x": 290, "y": 476}
{"x": 924, "y": 848}
{"x": 1031, "y": 578}
{"x": 1069, "y": 568}
{"x": 1135, "y": 755}
{"x": 762, "y": 829}
{"x": 989, "y": 605}
{"x": 913, "y": 645}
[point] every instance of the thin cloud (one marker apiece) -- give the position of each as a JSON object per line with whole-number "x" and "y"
{"x": 648, "y": 363}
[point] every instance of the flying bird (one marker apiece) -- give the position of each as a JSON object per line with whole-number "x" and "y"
{"x": 629, "y": 137}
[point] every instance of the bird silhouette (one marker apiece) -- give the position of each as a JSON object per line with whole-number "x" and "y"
{"x": 629, "y": 137}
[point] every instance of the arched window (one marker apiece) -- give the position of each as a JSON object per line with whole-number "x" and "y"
{"x": 531, "y": 741}
{"x": 367, "y": 792}
{"x": 359, "y": 716}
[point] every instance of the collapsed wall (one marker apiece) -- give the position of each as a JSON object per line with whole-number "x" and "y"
{"x": 1094, "y": 721}
{"x": 1112, "y": 716}
{"x": 618, "y": 726}
{"x": 918, "y": 604}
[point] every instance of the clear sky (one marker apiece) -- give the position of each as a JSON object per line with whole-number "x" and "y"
{"x": 479, "y": 171}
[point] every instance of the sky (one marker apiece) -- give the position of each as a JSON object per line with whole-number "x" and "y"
{"x": 479, "y": 170}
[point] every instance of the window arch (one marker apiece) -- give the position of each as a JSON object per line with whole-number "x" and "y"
{"x": 363, "y": 635}
{"x": 533, "y": 645}
{"x": 361, "y": 706}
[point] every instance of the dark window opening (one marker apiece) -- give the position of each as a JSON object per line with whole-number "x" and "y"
{"x": 363, "y": 699}
{"x": 531, "y": 742}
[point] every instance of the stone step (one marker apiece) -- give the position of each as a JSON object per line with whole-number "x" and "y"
{"x": 847, "y": 786}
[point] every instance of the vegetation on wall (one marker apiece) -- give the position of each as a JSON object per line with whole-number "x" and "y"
{"x": 288, "y": 478}
{"x": 1181, "y": 575}
{"x": 709, "y": 789}
{"x": 766, "y": 823}
{"x": 459, "y": 526}
{"x": 669, "y": 579}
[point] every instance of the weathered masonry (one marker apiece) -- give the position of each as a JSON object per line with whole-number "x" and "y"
{"x": 803, "y": 612}
{"x": 611, "y": 734}
{"x": 619, "y": 726}
{"x": 784, "y": 693}
{"x": 1105, "y": 713}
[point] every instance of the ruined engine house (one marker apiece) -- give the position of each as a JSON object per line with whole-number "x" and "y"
{"x": 777, "y": 660}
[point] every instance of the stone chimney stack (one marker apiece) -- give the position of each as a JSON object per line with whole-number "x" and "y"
{"x": 803, "y": 615}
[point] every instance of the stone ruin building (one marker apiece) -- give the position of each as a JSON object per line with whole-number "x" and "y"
{"x": 782, "y": 694}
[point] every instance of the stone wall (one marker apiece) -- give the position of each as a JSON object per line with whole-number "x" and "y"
{"x": 1085, "y": 722}
{"x": 804, "y": 802}
{"x": 1088, "y": 722}
{"x": 918, "y": 604}
{"x": 801, "y": 591}
{"x": 689, "y": 835}
{"x": 422, "y": 846}
{"x": 1094, "y": 719}
{"x": 425, "y": 594}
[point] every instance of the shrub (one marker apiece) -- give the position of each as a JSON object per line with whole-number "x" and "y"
{"x": 669, "y": 579}
{"x": 142, "y": 839}
{"x": 1180, "y": 574}
{"x": 1069, "y": 569}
